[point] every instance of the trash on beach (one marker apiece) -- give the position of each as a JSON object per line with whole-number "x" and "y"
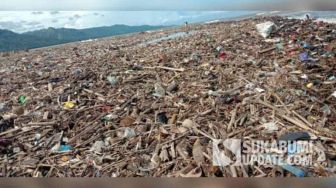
{"x": 22, "y": 100}
{"x": 113, "y": 80}
{"x": 69, "y": 105}
{"x": 304, "y": 57}
{"x": 151, "y": 104}
{"x": 334, "y": 94}
{"x": 271, "y": 127}
{"x": 65, "y": 148}
{"x": 265, "y": 29}
{"x": 295, "y": 136}
{"x": 294, "y": 170}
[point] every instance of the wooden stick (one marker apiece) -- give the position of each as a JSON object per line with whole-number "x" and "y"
{"x": 42, "y": 123}
{"x": 233, "y": 118}
{"x": 166, "y": 68}
{"x": 292, "y": 120}
{"x": 266, "y": 50}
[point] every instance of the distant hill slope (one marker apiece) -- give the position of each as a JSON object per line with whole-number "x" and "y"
{"x": 46, "y": 37}
{"x": 13, "y": 41}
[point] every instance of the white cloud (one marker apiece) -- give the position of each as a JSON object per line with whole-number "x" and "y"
{"x": 21, "y": 21}
{"x": 173, "y": 5}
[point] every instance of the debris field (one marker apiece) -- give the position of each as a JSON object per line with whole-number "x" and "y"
{"x": 151, "y": 104}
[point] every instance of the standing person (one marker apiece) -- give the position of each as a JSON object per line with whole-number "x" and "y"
{"x": 186, "y": 27}
{"x": 307, "y": 17}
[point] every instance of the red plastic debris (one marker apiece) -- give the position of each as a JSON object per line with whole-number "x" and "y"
{"x": 222, "y": 56}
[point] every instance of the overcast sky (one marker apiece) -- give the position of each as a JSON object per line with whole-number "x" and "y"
{"x": 27, "y": 15}
{"x": 125, "y": 4}
{"x": 165, "y": 4}
{"x": 22, "y": 21}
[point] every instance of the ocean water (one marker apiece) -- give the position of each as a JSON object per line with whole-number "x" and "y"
{"x": 325, "y": 16}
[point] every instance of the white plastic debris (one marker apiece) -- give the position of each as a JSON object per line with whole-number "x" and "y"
{"x": 334, "y": 94}
{"x": 332, "y": 78}
{"x": 304, "y": 76}
{"x": 107, "y": 141}
{"x": 259, "y": 90}
{"x": 55, "y": 148}
{"x": 159, "y": 90}
{"x": 65, "y": 140}
{"x": 2, "y": 107}
{"x": 129, "y": 133}
{"x": 113, "y": 80}
{"x": 271, "y": 127}
{"x": 38, "y": 136}
{"x": 213, "y": 93}
{"x": 275, "y": 40}
{"x": 250, "y": 86}
{"x": 109, "y": 117}
{"x": 16, "y": 150}
{"x": 97, "y": 147}
{"x": 265, "y": 29}
{"x": 219, "y": 48}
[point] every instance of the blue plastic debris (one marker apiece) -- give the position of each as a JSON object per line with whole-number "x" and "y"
{"x": 306, "y": 46}
{"x": 304, "y": 57}
{"x": 294, "y": 170}
{"x": 65, "y": 148}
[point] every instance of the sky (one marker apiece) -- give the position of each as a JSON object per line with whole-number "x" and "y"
{"x": 23, "y": 21}
{"x": 195, "y": 5}
{"x": 26, "y": 15}
{"x": 124, "y": 5}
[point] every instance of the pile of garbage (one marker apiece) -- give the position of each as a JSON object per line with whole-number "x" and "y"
{"x": 138, "y": 106}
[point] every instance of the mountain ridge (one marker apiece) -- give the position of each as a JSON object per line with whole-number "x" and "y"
{"x": 11, "y": 41}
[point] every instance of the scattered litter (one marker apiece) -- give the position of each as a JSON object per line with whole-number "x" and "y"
{"x": 332, "y": 78}
{"x": 2, "y": 107}
{"x": 159, "y": 90}
{"x": 65, "y": 159}
{"x": 69, "y": 105}
{"x": 294, "y": 170}
{"x": 65, "y": 148}
{"x": 295, "y": 136}
{"x": 265, "y": 29}
{"x": 22, "y": 100}
{"x": 275, "y": 40}
{"x": 188, "y": 123}
{"x": 150, "y": 104}
{"x": 310, "y": 85}
{"x": 279, "y": 46}
{"x": 259, "y": 90}
{"x": 113, "y": 80}
{"x": 129, "y": 132}
{"x": 222, "y": 56}
{"x": 196, "y": 57}
{"x": 97, "y": 147}
{"x": 6, "y": 124}
{"x": 162, "y": 118}
{"x": 271, "y": 127}
{"x": 304, "y": 57}
{"x": 304, "y": 76}
{"x": 334, "y": 94}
